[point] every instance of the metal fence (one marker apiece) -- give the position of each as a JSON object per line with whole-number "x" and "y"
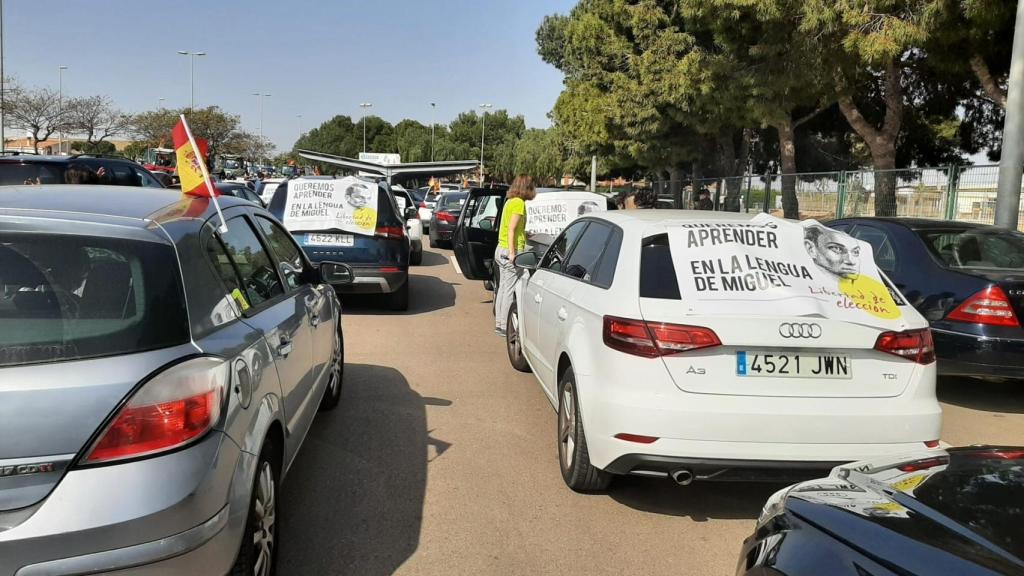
{"x": 965, "y": 193}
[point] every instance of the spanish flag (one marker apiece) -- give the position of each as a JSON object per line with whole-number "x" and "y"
{"x": 190, "y": 170}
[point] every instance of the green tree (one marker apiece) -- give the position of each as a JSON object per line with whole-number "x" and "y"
{"x": 101, "y": 147}
{"x": 213, "y": 124}
{"x": 500, "y": 133}
{"x": 539, "y": 153}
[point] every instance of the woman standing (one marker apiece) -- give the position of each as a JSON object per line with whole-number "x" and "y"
{"x": 511, "y": 241}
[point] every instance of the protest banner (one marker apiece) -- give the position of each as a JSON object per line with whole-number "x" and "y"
{"x": 347, "y": 204}
{"x": 767, "y": 265}
{"x": 551, "y": 212}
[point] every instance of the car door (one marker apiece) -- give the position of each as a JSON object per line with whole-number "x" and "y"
{"x": 295, "y": 271}
{"x": 280, "y": 314}
{"x": 539, "y": 315}
{"x": 476, "y": 233}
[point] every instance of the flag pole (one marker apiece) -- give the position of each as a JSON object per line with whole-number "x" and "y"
{"x": 206, "y": 175}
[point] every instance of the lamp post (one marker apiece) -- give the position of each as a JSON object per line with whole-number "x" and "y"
{"x": 483, "y": 130}
{"x": 364, "y": 106}
{"x": 298, "y": 120}
{"x": 1011, "y": 162}
{"x": 60, "y": 108}
{"x": 260, "y": 98}
{"x": 192, "y": 76}
{"x": 160, "y": 103}
{"x": 433, "y": 110}
{"x": 3, "y": 80}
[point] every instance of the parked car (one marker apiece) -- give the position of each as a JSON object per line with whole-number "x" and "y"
{"x": 266, "y": 189}
{"x": 966, "y": 279}
{"x": 957, "y": 511}
{"x": 413, "y": 225}
{"x": 445, "y": 216}
{"x": 157, "y": 379}
{"x": 426, "y": 207}
{"x": 18, "y": 169}
{"x": 380, "y": 263}
{"x": 240, "y": 190}
{"x": 643, "y": 385}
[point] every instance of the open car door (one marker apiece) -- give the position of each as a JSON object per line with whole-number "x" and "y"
{"x": 476, "y": 233}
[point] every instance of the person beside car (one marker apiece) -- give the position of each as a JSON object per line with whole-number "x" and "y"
{"x": 511, "y": 241}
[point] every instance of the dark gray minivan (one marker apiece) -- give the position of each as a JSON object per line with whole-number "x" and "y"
{"x": 157, "y": 377}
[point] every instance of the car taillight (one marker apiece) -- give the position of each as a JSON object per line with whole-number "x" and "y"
{"x": 654, "y": 339}
{"x": 924, "y": 464}
{"x": 390, "y": 231}
{"x": 174, "y": 408}
{"x": 914, "y": 345}
{"x": 423, "y": 204}
{"x": 990, "y": 306}
{"x": 445, "y": 217}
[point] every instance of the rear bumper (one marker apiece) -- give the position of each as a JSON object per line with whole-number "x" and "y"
{"x": 371, "y": 280}
{"x": 722, "y": 470}
{"x": 962, "y": 354}
{"x": 442, "y": 231}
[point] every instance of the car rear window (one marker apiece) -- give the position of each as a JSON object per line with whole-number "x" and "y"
{"x": 68, "y": 297}
{"x": 657, "y": 273}
{"x": 452, "y": 201}
{"x": 976, "y": 248}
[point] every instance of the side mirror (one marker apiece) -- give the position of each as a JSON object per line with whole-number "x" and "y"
{"x": 336, "y": 273}
{"x": 486, "y": 224}
{"x": 411, "y": 213}
{"x": 527, "y": 261}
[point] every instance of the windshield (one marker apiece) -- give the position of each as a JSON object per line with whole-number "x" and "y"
{"x": 71, "y": 297}
{"x": 976, "y": 248}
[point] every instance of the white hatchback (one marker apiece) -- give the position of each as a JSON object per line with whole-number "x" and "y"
{"x": 646, "y": 381}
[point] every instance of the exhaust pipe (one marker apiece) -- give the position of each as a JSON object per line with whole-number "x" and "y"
{"x": 683, "y": 476}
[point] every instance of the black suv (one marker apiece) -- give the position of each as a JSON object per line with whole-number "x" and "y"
{"x": 20, "y": 169}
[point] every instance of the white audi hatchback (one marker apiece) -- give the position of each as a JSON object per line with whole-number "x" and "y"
{"x": 700, "y": 346}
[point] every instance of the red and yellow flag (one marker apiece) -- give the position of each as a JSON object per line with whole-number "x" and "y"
{"x": 190, "y": 172}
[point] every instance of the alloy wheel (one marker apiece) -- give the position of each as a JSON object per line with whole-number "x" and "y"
{"x": 567, "y": 427}
{"x": 514, "y": 344}
{"x": 264, "y": 509}
{"x": 336, "y": 369}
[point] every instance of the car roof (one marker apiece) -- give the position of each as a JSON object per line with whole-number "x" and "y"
{"x": 118, "y": 201}
{"x": 648, "y": 217}
{"x": 921, "y": 223}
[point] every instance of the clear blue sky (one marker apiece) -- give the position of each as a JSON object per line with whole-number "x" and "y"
{"x": 316, "y": 58}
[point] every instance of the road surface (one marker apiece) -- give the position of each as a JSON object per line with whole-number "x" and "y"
{"x": 441, "y": 460}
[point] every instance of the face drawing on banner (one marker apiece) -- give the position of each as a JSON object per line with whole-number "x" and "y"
{"x": 833, "y": 251}
{"x": 358, "y": 195}
{"x": 586, "y": 207}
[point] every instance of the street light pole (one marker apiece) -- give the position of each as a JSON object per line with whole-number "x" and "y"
{"x": 260, "y": 98}
{"x": 60, "y": 108}
{"x": 192, "y": 76}
{"x": 433, "y": 110}
{"x": 298, "y": 120}
{"x": 483, "y": 130}
{"x": 364, "y": 106}
{"x": 160, "y": 103}
{"x": 3, "y": 81}
{"x": 1011, "y": 164}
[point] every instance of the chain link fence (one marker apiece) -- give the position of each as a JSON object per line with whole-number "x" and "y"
{"x": 964, "y": 193}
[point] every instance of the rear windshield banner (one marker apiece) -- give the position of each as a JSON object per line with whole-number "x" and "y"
{"x": 348, "y": 204}
{"x": 551, "y": 215}
{"x": 772, "y": 266}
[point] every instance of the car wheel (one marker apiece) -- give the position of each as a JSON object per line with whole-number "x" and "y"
{"x": 573, "y": 457}
{"x": 434, "y": 243}
{"x": 257, "y": 555}
{"x": 332, "y": 395}
{"x": 416, "y": 258}
{"x": 514, "y": 341}
{"x": 399, "y": 299}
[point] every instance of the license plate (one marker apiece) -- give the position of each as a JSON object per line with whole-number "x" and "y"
{"x": 776, "y": 365}
{"x": 329, "y": 240}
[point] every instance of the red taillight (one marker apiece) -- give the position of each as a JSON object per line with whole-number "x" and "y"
{"x": 914, "y": 345}
{"x": 924, "y": 464}
{"x": 931, "y": 443}
{"x": 990, "y": 306}
{"x": 390, "y": 231}
{"x": 654, "y": 339}
{"x": 636, "y": 438}
{"x": 390, "y": 269}
{"x": 171, "y": 410}
{"x": 423, "y": 204}
{"x": 445, "y": 217}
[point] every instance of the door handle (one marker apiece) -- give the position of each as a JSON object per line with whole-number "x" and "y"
{"x": 537, "y": 298}
{"x": 284, "y": 348}
{"x": 562, "y": 314}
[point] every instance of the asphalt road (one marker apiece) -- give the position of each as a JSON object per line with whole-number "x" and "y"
{"x": 441, "y": 460}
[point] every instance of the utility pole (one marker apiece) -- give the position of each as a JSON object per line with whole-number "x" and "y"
{"x": 60, "y": 109}
{"x": 1011, "y": 165}
{"x": 364, "y": 106}
{"x": 483, "y": 130}
{"x": 259, "y": 96}
{"x": 192, "y": 76}
{"x": 433, "y": 110}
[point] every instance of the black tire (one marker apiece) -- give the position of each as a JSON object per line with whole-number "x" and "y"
{"x": 399, "y": 299}
{"x": 434, "y": 243}
{"x": 249, "y": 551}
{"x": 332, "y": 394}
{"x": 416, "y": 258}
{"x": 577, "y": 471}
{"x": 513, "y": 341}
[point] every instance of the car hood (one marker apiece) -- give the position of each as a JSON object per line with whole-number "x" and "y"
{"x": 966, "y": 503}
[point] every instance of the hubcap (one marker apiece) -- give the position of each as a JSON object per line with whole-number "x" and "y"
{"x": 264, "y": 509}
{"x": 513, "y": 336}
{"x": 567, "y": 427}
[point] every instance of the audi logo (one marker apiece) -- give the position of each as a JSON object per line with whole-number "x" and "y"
{"x": 799, "y": 330}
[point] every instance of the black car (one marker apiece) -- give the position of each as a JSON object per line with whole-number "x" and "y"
{"x": 958, "y": 512}
{"x": 239, "y": 190}
{"x": 446, "y": 215}
{"x": 380, "y": 263}
{"x": 18, "y": 169}
{"x": 966, "y": 279}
